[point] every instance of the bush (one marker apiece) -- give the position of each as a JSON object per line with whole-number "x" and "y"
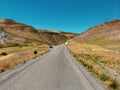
{"x": 114, "y": 84}
{"x": 103, "y": 77}
{"x": 3, "y": 54}
{"x": 2, "y": 70}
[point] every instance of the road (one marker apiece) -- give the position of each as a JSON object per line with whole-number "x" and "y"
{"x": 56, "y": 70}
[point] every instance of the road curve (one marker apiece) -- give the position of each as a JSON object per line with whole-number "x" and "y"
{"x": 57, "y": 70}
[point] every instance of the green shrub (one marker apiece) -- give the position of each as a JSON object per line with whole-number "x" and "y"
{"x": 103, "y": 77}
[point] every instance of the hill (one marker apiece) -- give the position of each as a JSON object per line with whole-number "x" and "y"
{"x": 106, "y": 35}
{"x": 98, "y": 50}
{"x": 12, "y": 32}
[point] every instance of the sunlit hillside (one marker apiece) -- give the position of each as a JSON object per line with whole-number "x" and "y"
{"x": 98, "y": 49}
{"x": 106, "y": 34}
{"x": 12, "y": 32}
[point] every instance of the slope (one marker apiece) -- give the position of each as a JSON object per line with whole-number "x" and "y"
{"x": 12, "y": 32}
{"x": 98, "y": 49}
{"x": 106, "y": 35}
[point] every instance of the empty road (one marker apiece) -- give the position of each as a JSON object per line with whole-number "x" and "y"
{"x": 56, "y": 70}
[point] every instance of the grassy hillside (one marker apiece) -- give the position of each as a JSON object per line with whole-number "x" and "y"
{"x": 98, "y": 49}
{"x": 101, "y": 62}
{"x": 13, "y": 56}
{"x": 18, "y": 33}
{"x": 106, "y": 35}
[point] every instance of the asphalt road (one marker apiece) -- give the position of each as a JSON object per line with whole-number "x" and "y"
{"x": 56, "y": 70}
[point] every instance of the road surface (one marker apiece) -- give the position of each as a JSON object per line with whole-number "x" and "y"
{"x": 56, "y": 70}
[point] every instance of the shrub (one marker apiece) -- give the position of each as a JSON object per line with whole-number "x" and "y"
{"x": 24, "y": 61}
{"x": 3, "y": 54}
{"x": 2, "y": 70}
{"x": 103, "y": 77}
{"x": 114, "y": 84}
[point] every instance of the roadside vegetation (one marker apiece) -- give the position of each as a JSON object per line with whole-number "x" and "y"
{"x": 101, "y": 62}
{"x": 111, "y": 44}
{"x": 13, "y": 56}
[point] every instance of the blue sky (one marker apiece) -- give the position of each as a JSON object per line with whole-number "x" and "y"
{"x": 65, "y": 15}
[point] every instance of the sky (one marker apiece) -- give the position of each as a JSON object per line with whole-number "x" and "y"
{"x": 64, "y": 15}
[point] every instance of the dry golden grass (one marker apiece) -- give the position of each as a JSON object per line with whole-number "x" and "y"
{"x": 109, "y": 58}
{"x": 18, "y": 55}
{"x": 96, "y": 59}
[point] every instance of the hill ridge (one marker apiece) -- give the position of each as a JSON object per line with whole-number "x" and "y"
{"x": 105, "y": 34}
{"x": 24, "y": 34}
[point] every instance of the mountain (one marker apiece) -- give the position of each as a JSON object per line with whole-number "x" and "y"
{"x": 12, "y": 32}
{"x": 106, "y": 34}
{"x": 55, "y": 37}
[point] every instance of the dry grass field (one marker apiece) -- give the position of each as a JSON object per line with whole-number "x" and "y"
{"x": 103, "y": 63}
{"x": 13, "y": 56}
